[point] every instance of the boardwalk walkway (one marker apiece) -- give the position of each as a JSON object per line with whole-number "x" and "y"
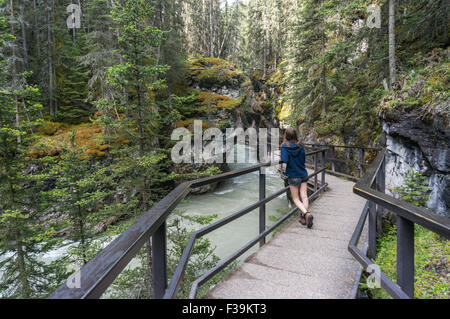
{"x": 299, "y": 263}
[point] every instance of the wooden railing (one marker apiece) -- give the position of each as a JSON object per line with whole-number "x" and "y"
{"x": 372, "y": 187}
{"x": 99, "y": 273}
{"x": 342, "y": 166}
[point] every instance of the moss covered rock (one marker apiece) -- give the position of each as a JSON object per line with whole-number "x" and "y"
{"x": 52, "y": 138}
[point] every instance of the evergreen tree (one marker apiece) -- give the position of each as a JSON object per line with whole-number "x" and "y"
{"x": 141, "y": 77}
{"x": 80, "y": 192}
{"x": 100, "y": 54}
{"x": 71, "y": 75}
{"x": 21, "y": 237}
{"x": 415, "y": 189}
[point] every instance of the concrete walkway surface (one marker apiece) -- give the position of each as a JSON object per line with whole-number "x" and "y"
{"x": 302, "y": 263}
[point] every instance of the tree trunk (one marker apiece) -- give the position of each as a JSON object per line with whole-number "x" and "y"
{"x": 24, "y": 35}
{"x": 15, "y": 83}
{"x": 228, "y": 28}
{"x": 236, "y": 31}
{"x": 25, "y": 288}
{"x": 323, "y": 75}
{"x": 50, "y": 63}
{"x": 73, "y": 30}
{"x": 392, "y": 70}
{"x": 82, "y": 233}
{"x": 37, "y": 29}
{"x": 264, "y": 42}
{"x": 211, "y": 29}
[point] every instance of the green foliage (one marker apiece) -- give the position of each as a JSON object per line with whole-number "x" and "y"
{"x": 340, "y": 76}
{"x": 415, "y": 189}
{"x": 214, "y": 71}
{"x": 202, "y": 256}
{"x": 431, "y": 253}
{"x": 81, "y": 192}
{"x": 431, "y": 268}
{"x": 138, "y": 74}
{"x": 128, "y": 59}
{"x": 186, "y": 106}
{"x": 210, "y": 171}
{"x": 135, "y": 280}
{"x": 72, "y": 79}
{"x": 21, "y": 236}
{"x": 423, "y": 88}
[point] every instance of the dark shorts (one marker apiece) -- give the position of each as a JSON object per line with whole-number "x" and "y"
{"x": 298, "y": 181}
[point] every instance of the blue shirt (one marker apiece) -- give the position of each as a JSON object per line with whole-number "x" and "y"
{"x": 294, "y": 156}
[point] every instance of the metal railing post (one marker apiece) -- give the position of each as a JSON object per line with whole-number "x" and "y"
{"x": 333, "y": 155}
{"x": 361, "y": 165}
{"x": 372, "y": 249}
{"x": 405, "y": 255}
{"x": 262, "y": 209}
{"x": 316, "y": 168}
{"x": 324, "y": 156}
{"x": 159, "y": 259}
{"x": 381, "y": 186}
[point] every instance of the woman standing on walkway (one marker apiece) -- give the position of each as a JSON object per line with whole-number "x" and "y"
{"x": 294, "y": 155}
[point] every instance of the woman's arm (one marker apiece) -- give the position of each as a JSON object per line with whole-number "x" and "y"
{"x": 284, "y": 154}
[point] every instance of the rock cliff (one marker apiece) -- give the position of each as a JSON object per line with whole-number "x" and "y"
{"x": 415, "y": 118}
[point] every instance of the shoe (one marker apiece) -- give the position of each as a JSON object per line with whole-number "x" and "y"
{"x": 309, "y": 220}
{"x": 302, "y": 219}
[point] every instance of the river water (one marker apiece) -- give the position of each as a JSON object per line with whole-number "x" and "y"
{"x": 234, "y": 195}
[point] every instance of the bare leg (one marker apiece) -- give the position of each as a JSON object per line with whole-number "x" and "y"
{"x": 295, "y": 191}
{"x": 304, "y": 195}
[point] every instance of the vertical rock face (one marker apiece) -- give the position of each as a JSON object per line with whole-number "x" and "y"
{"x": 414, "y": 143}
{"x": 224, "y": 98}
{"x": 229, "y": 96}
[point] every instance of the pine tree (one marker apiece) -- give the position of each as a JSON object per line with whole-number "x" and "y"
{"x": 141, "y": 76}
{"x": 307, "y": 82}
{"x": 21, "y": 236}
{"x": 167, "y": 17}
{"x": 78, "y": 191}
{"x": 100, "y": 54}
{"x": 71, "y": 75}
{"x": 415, "y": 189}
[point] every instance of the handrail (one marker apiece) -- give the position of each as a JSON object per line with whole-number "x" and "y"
{"x": 333, "y": 159}
{"x": 407, "y": 216}
{"x": 176, "y": 278}
{"x": 98, "y": 274}
{"x": 101, "y": 271}
{"x": 418, "y": 215}
{"x": 344, "y": 146}
{"x": 392, "y": 288}
{"x": 213, "y": 271}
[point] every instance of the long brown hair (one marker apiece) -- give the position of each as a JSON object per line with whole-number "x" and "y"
{"x": 290, "y": 135}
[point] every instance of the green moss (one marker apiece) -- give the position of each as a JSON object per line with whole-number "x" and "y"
{"x": 51, "y": 128}
{"x": 424, "y": 88}
{"x": 210, "y": 71}
{"x": 431, "y": 270}
{"x": 55, "y": 136}
{"x": 216, "y": 101}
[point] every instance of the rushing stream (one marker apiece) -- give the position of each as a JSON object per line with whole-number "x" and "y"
{"x": 234, "y": 195}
